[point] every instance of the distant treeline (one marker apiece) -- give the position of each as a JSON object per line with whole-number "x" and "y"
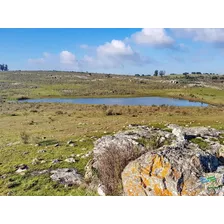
{"x": 195, "y": 73}
{"x": 4, "y": 67}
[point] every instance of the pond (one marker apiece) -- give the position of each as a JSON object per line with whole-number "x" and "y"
{"x": 144, "y": 101}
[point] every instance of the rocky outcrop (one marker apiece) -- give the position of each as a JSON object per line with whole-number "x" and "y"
{"x": 172, "y": 171}
{"x": 171, "y": 161}
{"x": 66, "y": 176}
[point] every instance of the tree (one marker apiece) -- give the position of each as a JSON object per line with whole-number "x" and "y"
{"x": 2, "y": 67}
{"x": 156, "y": 73}
{"x": 137, "y": 75}
{"x": 162, "y": 73}
{"x": 6, "y": 68}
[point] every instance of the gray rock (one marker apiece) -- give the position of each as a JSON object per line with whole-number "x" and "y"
{"x": 70, "y": 160}
{"x": 55, "y": 161}
{"x": 21, "y": 168}
{"x": 70, "y": 142}
{"x": 4, "y": 176}
{"x": 42, "y": 151}
{"x": 35, "y": 161}
{"x": 171, "y": 170}
{"x": 66, "y": 176}
{"x": 181, "y": 158}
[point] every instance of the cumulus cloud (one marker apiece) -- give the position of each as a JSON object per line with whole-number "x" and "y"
{"x": 209, "y": 35}
{"x": 114, "y": 54}
{"x": 67, "y": 57}
{"x": 156, "y": 37}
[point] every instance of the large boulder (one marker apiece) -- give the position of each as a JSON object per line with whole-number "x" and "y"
{"x": 172, "y": 165}
{"x": 173, "y": 171}
{"x": 180, "y": 168}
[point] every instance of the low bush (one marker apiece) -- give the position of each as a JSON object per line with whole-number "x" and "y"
{"x": 24, "y": 137}
{"x": 111, "y": 164}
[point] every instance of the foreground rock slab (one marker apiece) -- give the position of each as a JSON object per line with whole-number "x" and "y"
{"x": 180, "y": 161}
{"x": 66, "y": 176}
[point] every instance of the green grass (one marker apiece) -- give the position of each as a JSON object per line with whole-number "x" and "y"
{"x": 68, "y": 84}
{"x": 48, "y": 124}
{"x": 201, "y": 143}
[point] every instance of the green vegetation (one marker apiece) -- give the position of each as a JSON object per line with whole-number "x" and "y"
{"x": 201, "y": 143}
{"x": 17, "y": 85}
{"x": 27, "y": 129}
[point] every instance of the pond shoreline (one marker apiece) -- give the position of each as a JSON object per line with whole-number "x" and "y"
{"x": 130, "y": 101}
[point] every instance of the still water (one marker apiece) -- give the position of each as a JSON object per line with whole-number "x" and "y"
{"x": 144, "y": 101}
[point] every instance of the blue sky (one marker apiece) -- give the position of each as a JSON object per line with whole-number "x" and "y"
{"x": 124, "y": 51}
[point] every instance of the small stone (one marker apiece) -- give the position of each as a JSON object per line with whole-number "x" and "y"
{"x": 70, "y": 142}
{"x": 21, "y": 168}
{"x": 220, "y": 169}
{"x": 25, "y": 153}
{"x": 37, "y": 144}
{"x": 3, "y": 176}
{"x": 56, "y": 161}
{"x": 41, "y": 151}
{"x": 66, "y": 176}
{"x": 72, "y": 145}
{"x": 35, "y": 161}
{"x": 70, "y": 160}
{"x": 56, "y": 145}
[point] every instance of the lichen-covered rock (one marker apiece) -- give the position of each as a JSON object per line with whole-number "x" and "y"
{"x": 173, "y": 164}
{"x": 123, "y": 140}
{"x": 173, "y": 171}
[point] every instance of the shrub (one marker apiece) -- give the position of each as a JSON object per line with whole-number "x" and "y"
{"x": 59, "y": 112}
{"x": 110, "y": 112}
{"x": 24, "y": 137}
{"x": 111, "y": 164}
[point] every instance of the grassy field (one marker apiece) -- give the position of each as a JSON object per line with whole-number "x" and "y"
{"x": 73, "y": 85}
{"x": 23, "y": 126}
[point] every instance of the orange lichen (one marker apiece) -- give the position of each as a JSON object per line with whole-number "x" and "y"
{"x": 161, "y": 192}
{"x": 145, "y": 180}
{"x": 165, "y": 170}
{"x": 145, "y": 170}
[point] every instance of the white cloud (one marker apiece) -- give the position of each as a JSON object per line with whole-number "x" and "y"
{"x": 115, "y": 47}
{"x": 114, "y": 54}
{"x": 155, "y": 37}
{"x": 210, "y": 35}
{"x": 65, "y": 60}
{"x": 67, "y": 57}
